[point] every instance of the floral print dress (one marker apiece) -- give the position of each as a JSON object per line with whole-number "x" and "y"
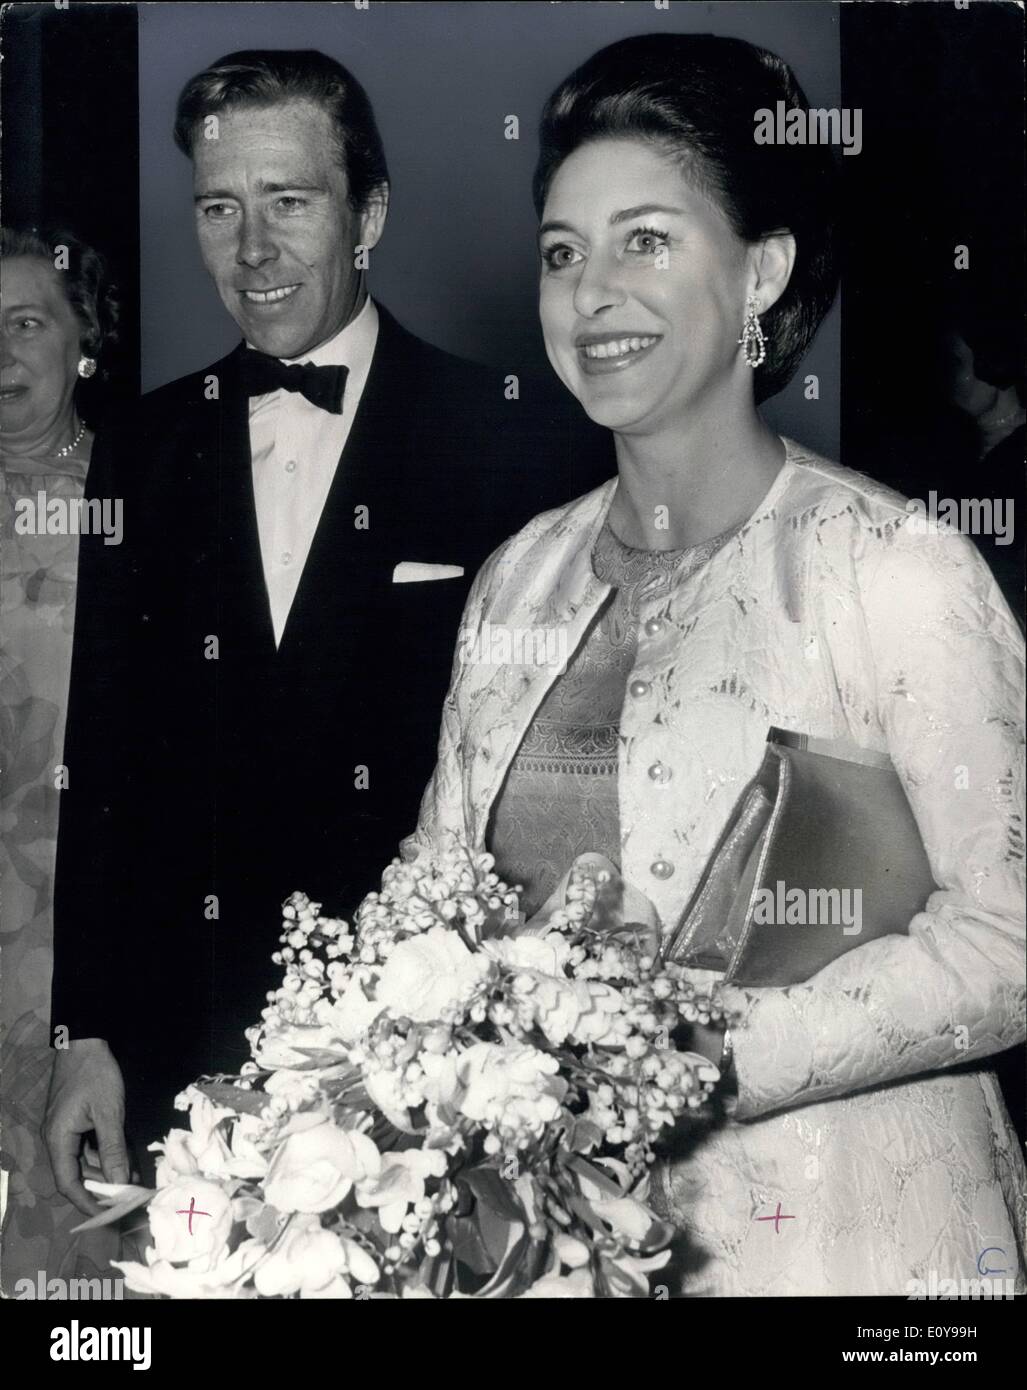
{"x": 37, "y": 610}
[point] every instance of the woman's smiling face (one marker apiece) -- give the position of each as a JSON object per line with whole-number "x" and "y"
{"x": 643, "y": 287}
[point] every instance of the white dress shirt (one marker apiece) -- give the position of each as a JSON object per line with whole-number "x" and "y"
{"x": 295, "y": 448}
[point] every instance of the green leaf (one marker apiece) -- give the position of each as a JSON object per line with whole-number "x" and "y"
{"x": 587, "y": 1213}
{"x": 235, "y": 1098}
{"x": 317, "y": 1057}
{"x": 468, "y": 1246}
{"x": 602, "y": 1180}
{"x": 139, "y": 1198}
{"x": 657, "y": 1238}
{"x": 516, "y": 1272}
{"x": 583, "y": 1136}
{"x": 624, "y": 1282}
{"x": 495, "y": 1192}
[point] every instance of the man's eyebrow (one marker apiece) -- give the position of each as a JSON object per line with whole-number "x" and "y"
{"x": 292, "y": 187}
{"x": 628, "y": 214}
{"x": 262, "y": 187}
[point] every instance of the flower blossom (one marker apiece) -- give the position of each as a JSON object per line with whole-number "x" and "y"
{"x": 315, "y": 1169}
{"x": 430, "y": 976}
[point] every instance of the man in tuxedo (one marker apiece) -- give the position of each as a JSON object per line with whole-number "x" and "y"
{"x": 256, "y": 691}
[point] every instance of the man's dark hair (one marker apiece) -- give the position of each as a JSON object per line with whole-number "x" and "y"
{"x": 265, "y": 77}
{"x": 696, "y": 97}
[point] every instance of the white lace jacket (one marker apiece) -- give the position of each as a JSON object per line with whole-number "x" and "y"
{"x": 833, "y": 612}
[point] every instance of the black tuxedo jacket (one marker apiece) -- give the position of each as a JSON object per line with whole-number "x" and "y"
{"x": 209, "y": 774}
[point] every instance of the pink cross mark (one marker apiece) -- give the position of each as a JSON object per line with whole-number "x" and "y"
{"x": 777, "y": 1218}
{"x": 191, "y": 1211}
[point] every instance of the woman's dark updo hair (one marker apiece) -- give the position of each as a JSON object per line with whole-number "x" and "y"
{"x": 696, "y": 97}
{"x": 86, "y": 281}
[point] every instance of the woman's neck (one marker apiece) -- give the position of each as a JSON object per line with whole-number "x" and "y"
{"x": 41, "y": 442}
{"x": 685, "y": 486}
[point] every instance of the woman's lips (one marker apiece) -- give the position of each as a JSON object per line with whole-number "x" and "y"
{"x": 11, "y": 393}
{"x": 603, "y": 356}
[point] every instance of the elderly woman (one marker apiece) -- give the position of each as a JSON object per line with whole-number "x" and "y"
{"x": 725, "y": 582}
{"x": 58, "y": 313}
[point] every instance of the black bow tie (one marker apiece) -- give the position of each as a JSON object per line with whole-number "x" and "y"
{"x": 322, "y": 386}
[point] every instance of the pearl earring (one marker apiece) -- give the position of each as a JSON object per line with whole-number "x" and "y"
{"x": 752, "y": 340}
{"x": 86, "y": 366}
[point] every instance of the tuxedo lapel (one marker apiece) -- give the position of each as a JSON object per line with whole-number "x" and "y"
{"x": 244, "y": 609}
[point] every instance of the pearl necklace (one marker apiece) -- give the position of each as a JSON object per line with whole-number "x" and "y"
{"x": 69, "y": 448}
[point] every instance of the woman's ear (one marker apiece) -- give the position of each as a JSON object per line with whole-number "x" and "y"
{"x": 771, "y": 262}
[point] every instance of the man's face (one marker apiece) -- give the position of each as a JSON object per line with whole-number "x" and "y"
{"x": 276, "y": 231}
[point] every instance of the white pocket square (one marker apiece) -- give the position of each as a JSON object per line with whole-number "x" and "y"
{"x": 414, "y": 572}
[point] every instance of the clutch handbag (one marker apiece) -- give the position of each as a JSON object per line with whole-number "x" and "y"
{"x": 822, "y": 854}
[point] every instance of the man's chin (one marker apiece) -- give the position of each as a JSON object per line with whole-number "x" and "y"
{"x": 275, "y": 331}
{"x": 276, "y": 340}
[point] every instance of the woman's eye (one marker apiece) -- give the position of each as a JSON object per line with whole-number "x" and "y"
{"x": 646, "y": 241}
{"x": 29, "y": 323}
{"x": 559, "y": 257}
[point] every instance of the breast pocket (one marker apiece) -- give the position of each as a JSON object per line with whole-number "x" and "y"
{"x": 426, "y": 622}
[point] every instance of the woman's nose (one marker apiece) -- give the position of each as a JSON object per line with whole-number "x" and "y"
{"x": 598, "y": 286}
{"x": 7, "y": 357}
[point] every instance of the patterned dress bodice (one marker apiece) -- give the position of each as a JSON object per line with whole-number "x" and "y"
{"x": 560, "y": 799}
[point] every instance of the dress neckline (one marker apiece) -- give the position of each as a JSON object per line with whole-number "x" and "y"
{"x": 639, "y": 575}
{"x": 632, "y": 551}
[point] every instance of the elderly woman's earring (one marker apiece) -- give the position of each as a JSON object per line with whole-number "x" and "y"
{"x": 752, "y": 341}
{"x": 86, "y": 366}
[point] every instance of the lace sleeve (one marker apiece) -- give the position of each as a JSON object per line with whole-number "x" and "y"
{"x": 948, "y": 667}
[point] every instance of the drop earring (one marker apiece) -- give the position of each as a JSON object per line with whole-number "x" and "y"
{"x": 752, "y": 341}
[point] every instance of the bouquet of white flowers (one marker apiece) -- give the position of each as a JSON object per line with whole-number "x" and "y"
{"x": 443, "y": 1099}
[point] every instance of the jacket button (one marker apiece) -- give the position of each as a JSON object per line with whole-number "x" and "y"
{"x": 639, "y": 688}
{"x": 661, "y": 869}
{"x": 661, "y": 773}
{"x": 653, "y": 626}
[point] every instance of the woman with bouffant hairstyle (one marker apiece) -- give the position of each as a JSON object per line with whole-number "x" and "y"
{"x": 729, "y": 583}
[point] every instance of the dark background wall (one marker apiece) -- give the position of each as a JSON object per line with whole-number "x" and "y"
{"x": 69, "y": 101}
{"x": 942, "y": 166}
{"x": 457, "y": 264}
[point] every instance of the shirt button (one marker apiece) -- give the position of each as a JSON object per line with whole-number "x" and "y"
{"x": 639, "y": 688}
{"x": 661, "y": 869}
{"x": 660, "y": 772}
{"x": 653, "y": 626}
{"x": 290, "y": 467}
{"x": 286, "y": 557}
